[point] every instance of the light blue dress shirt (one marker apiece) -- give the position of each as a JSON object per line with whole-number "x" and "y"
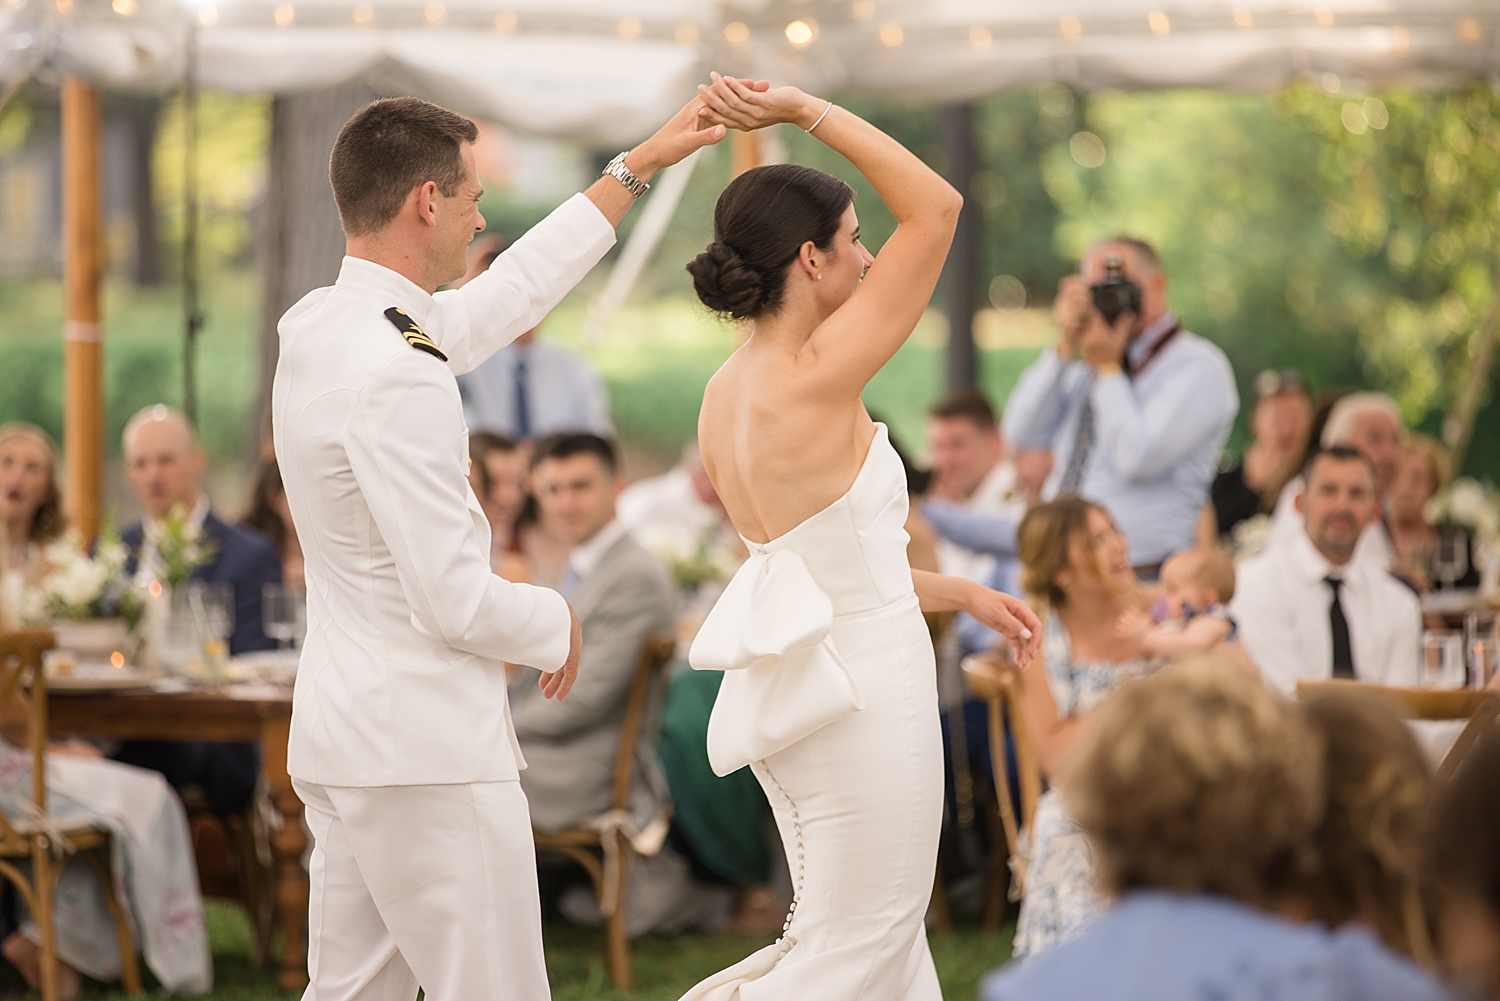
{"x": 563, "y": 392}
{"x": 1157, "y": 437}
{"x": 983, "y": 533}
{"x": 1157, "y": 946}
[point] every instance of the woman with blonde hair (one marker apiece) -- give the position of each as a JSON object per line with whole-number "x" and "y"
{"x": 1201, "y": 792}
{"x": 31, "y": 515}
{"x": 1076, "y": 570}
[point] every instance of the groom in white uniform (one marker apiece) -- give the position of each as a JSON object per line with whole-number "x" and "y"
{"x": 401, "y": 745}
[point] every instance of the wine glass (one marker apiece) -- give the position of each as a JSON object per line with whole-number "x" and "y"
{"x": 282, "y": 612}
{"x": 1450, "y": 557}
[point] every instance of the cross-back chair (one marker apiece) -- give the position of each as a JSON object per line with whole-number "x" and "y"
{"x": 603, "y": 849}
{"x": 1480, "y": 708}
{"x": 39, "y": 838}
{"x": 997, "y": 680}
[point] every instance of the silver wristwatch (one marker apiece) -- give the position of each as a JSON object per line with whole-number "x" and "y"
{"x": 617, "y": 169}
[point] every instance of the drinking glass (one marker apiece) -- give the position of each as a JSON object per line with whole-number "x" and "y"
{"x": 1450, "y": 557}
{"x": 283, "y": 612}
{"x": 1482, "y": 645}
{"x": 1443, "y": 659}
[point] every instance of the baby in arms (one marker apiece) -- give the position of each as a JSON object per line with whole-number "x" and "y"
{"x": 1190, "y": 616}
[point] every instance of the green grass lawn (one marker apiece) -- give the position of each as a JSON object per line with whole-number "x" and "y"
{"x": 664, "y": 967}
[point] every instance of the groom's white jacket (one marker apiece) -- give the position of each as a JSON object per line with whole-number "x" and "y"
{"x": 401, "y": 680}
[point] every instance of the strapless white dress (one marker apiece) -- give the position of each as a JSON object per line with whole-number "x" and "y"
{"x": 830, "y": 696}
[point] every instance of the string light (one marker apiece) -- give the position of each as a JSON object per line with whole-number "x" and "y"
{"x": 862, "y": 10}
{"x": 1160, "y": 25}
{"x": 1243, "y": 18}
{"x": 125, "y": 8}
{"x": 686, "y": 34}
{"x": 434, "y": 13}
{"x": 801, "y": 32}
{"x": 1070, "y": 26}
{"x": 363, "y": 14}
{"x": 891, "y": 35}
{"x": 208, "y": 17}
{"x": 736, "y": 32}
{"x": 980, "y": 37}
{"x": 628, "y": 27}
{"x": 282, "y": 15}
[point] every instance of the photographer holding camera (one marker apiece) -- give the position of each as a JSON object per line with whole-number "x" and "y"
{"x": 1134, "y": 408}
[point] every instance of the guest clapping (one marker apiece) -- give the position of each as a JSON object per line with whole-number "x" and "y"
{"x": 1135, "y": 408}
{"x": 1311, "y": 608}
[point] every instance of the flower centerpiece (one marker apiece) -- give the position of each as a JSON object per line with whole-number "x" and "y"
{"x": 92, "y": 604}
{"x": 692, "y": 562}
{"x": 179, "y": 546}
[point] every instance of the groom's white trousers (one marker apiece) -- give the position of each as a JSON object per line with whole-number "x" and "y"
{"x": 430, "y": 886}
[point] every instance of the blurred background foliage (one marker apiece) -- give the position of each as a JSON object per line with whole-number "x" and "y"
{"x": 1350, "y": 235}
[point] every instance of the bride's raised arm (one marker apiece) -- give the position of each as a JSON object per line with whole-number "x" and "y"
{"x": 854, "y": 342}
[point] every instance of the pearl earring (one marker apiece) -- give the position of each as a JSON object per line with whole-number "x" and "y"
{"x": 820, "y": 276}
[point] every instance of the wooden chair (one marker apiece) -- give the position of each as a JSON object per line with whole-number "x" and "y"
{"x": 603, "y": 849}
{"x": 42, "y": 839}
{"x": 998, "y": 681}
{"x": 1480, "y": 708}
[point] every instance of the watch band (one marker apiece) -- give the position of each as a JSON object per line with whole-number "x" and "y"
{"x": 616, "y": 168}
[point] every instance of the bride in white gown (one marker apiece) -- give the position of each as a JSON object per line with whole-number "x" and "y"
{"x": 830, "y": 691}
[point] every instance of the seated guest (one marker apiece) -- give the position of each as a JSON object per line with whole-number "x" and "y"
{"x": 1420, "y": 473}
{"x": 155, "y": 866}
{"x": 621, "y": 596}
{"x": 1134, "y": 407}
{"x": 1371, "y": 424}
{"x": 164, "y": 464}
{"x": 1465, "y": 869}
{"x": 1196, "y": 585}
{"x": 31, "y": 514}
{"x": 971, "y": 475}
{"x": 1077, "y": 575}
{"x": 1310, "y": 608}
{"x": 1377, "y": 789}
{"x": 679, "y": 509}
{"x": 498, "y": 475}
{"x": 1279, "y": 427}
{"x": 270, "y": 516}
{"x": 1200, "y": 792}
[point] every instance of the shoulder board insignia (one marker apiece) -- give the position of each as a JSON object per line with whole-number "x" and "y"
{"x": 415, "y": 335}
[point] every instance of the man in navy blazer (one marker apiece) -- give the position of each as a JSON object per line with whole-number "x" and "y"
{"x": 164, "y": 463}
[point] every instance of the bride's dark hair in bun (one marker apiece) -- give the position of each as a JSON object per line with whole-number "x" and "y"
{"x": 761, "y": 222}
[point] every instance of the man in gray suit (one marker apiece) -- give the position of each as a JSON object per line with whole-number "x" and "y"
{"x": 621, "y": 596}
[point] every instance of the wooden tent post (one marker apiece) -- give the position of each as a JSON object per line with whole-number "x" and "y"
{"x": 83, "y": 268}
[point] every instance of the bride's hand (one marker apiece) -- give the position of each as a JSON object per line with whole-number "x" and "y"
{"x": 1011, "y": 618}
{"x": 745, "y": 105}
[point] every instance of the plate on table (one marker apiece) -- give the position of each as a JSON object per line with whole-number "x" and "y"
{"x": 100, "y": 678}
{"x": 1454, "y": 602}
{"x": 273, "y": 667}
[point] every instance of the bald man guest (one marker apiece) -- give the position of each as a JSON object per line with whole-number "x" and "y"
{"x": 165, "y": 465}
{"x": 402, "y": 748}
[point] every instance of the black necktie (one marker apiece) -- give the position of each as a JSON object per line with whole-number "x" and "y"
{"x": 1343, "y": 654}
{"x": 523, "y": 403}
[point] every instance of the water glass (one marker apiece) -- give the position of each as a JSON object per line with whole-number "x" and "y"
{"x": 1482, "y": 645}
{"x": 1443, "y": 659}
{"x": 283, "y": 613}
{"x": 1450, "y": 557}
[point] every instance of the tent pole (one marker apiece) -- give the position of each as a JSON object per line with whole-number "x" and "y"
{"x": 83, "y": 267}
{"x": 956, "y": 126}
{"x": 1459, "y": 426}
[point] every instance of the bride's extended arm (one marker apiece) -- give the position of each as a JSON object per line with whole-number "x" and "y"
{"x": 1008, "y": 616}
{"x": 865, "y": 332}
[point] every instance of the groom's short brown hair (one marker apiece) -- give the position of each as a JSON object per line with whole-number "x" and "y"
{"x": 389, "y": 147}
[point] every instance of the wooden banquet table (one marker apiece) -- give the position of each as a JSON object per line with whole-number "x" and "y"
{"x": 231, "y": 713}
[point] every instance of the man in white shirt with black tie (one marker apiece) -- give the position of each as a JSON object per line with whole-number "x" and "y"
{"x": 402, "y": 748}
{"x": 1308, "y": 610}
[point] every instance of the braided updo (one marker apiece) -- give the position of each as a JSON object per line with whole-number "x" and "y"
{"x": 761, "y": 221}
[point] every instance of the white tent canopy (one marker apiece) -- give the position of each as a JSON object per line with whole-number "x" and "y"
{"x": 606, "y": 72}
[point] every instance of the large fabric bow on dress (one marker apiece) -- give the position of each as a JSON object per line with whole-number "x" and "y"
{"x": 784, "y": 678}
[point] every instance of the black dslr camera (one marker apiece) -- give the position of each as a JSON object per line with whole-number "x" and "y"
{"x": 1116, "y": 293}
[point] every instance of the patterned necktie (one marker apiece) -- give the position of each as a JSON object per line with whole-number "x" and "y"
{"x": 1343, "y": 652}
{"x": 523, "y": 405}
{"x": 1083, "y": 443}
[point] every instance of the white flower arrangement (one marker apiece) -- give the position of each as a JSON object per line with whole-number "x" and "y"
{"x": 80, "y": 586}
{"x": 691, "y": 561}
{"x": 1470, "y": 505}
{"x": 1249, "y": 537}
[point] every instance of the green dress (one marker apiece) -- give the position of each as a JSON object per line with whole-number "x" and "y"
{"x": 723, "y": 819}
